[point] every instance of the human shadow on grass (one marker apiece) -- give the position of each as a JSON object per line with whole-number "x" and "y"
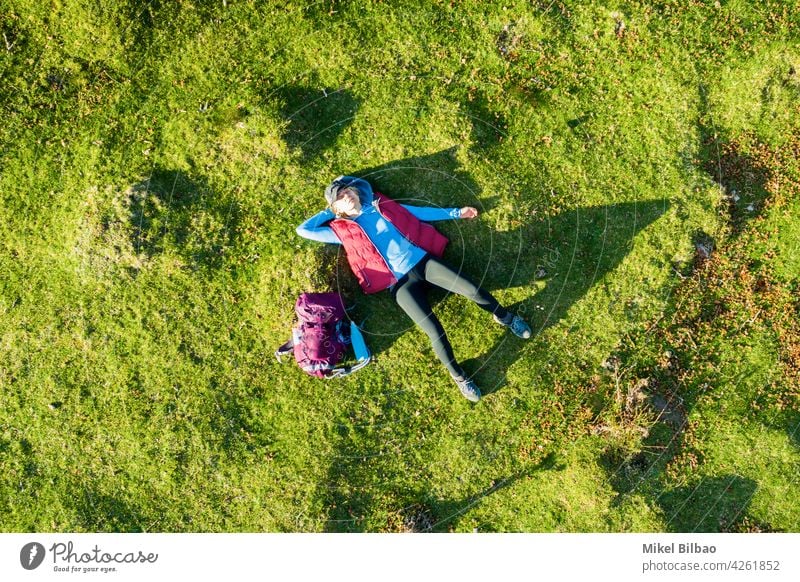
{"x": 351, "y": 508}
{"x": 488, "y": 127}
{"x": 171, "y": 211}
{"x": 317, "y": 116}
{"x": 556, "y": 259}
{"x": 564, "y": 255}
{"x": 447, "y": 512}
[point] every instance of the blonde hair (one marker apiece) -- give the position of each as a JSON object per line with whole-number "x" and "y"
{"x": 338, "y": 212}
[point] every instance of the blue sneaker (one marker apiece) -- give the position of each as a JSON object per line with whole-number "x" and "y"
{"x": 468, "y": 389}
{"x": 517, "y": 325}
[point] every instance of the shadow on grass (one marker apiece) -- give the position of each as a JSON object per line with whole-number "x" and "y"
{"x": 316, "y": 116}
{"x": 173, "y": 212}
{"x": 448, "y": 512}
{"x": 350, "y": 508}
{"x": 565, "y": 255}
{"x": 488, "y": 127}
{"x": 793, "y": 428}
{"x": 556, "y": 260}
{"x": 741, "y": 177}
{"x": 711, "y": 505}
{"x": 717, "y": 503}
{"x": 98, "y": 512}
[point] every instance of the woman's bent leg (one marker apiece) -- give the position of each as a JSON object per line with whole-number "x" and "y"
{"x": 410, "y": 296}
{"x": 444, "y": 276}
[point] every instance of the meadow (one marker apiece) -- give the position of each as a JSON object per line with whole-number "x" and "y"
{"x": 636, "y": 169}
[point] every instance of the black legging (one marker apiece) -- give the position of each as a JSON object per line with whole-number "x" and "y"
{"x": 409, "y": 293}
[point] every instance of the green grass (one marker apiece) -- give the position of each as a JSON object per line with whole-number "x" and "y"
{"x": 156, "y": 158}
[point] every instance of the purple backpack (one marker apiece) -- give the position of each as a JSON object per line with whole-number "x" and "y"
{"x": 320, "y": 338}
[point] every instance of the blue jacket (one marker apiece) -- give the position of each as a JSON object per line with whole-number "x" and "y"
{"x": 400, "y": 254}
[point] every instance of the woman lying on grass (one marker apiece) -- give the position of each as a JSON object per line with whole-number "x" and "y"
{"x": 388, "y": 246}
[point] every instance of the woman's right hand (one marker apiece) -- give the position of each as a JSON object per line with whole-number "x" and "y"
{"x": 469, "y": 212}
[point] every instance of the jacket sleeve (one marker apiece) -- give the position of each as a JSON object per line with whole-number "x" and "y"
{"x": 314, "y": 228}
{"x": 431, "y": 213}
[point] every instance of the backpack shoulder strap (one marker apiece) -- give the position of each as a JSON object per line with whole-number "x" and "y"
{"x": 286, "y": 348}
{"x": 342, "y": 371}
{"x": 362, "y": 353}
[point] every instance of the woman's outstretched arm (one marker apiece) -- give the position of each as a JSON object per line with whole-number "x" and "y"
{"x": 431, "y": 213}
{"x": 314, "y": 228}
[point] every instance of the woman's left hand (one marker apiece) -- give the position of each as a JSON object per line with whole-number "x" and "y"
{"x": 469, "y": 212}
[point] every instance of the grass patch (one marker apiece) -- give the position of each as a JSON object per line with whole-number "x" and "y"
{"x": 636, "y": 170}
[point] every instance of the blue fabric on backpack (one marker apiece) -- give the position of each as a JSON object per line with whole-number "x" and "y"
{"x": 359, "y": 345}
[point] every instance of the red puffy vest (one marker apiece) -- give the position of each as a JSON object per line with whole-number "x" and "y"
{"x": 367, "y": 263}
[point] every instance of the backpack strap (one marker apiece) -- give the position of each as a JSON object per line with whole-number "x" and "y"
{"x": 362, "y": 353}
{"x": 324, "y": 368}
{"x": 342, "y": 371}
{"x": 286, "y": 348}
